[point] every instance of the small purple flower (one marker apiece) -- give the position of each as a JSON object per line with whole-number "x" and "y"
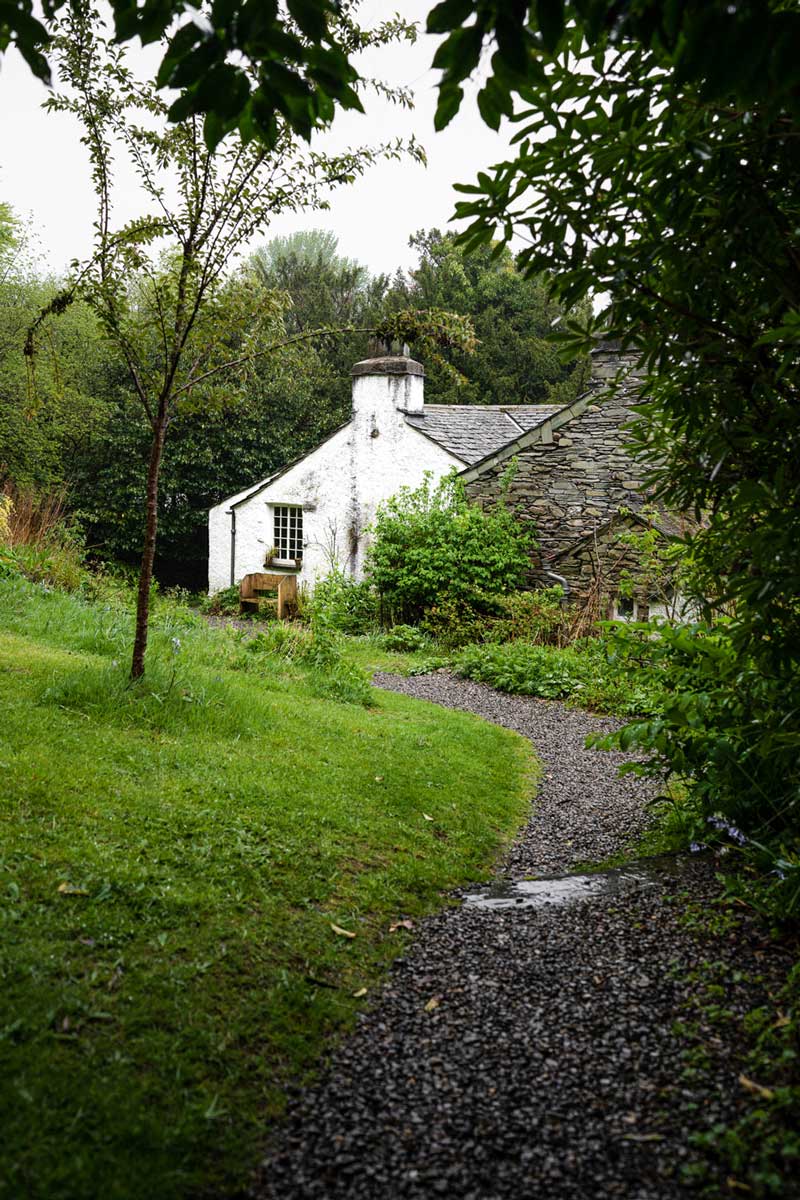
{"x": 697, "y": 847}
{"x": 735, "y": 834}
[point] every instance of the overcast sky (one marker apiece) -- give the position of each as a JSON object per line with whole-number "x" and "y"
{"x": 44, "y": 171}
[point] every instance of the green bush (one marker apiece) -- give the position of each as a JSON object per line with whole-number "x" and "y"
{"x": 452, "y": 625}
{"x": 432, "y": 546}
{"x": 727, "y": 727}
{"x": 539, "y": 617}
{"x": 345, "y": 604}
{"x": 523, "y": 669}
{"x": 405, "y": 639}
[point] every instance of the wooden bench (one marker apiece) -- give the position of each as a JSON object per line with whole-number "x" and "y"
{"x": 253, "y": 588}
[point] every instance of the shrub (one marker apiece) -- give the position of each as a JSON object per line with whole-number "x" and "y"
{"x": 345, "y": 604}
{"x": 523, "y": 669}
{"x": 728, "y": 727}
{"x": 452, "y": 625}
{"x": 37, "y": 542}
{"x": 585, "y": 673}
{"x": 406, "y": 639}
{"x": 431, "y": 545}
{"x": 538, "y": 617}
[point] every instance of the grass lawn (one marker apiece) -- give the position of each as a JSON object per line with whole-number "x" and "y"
{"x": 173, "y": 858}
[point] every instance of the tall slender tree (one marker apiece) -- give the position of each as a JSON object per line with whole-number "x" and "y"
{"x": 157, "y": 284}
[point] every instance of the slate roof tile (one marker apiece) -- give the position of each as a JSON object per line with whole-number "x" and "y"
{"x": 471, "y": 431}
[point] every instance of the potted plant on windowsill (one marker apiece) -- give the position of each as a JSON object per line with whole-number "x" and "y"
{"x": 274, "y": 562}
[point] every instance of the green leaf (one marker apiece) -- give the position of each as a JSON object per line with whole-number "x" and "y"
{"x": 460, "y": 53}
{"x": 311, "y": 17}
{"x": 450, "y": 97}
{"x": 550, "y": 18}
{"x": 448, "y": 15}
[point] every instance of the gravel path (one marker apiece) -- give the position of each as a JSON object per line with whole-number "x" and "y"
{"x": 584, "y": 811}
{"x": 527, "y": 1052}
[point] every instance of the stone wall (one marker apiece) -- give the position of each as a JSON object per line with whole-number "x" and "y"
{"x": 570, "y": 482}
{"x": 594, "y": 565}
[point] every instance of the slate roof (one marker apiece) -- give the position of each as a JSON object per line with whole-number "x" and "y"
{"x": 471, "y": 431}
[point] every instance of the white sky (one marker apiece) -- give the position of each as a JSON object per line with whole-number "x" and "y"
{"x": 44, "y": 172}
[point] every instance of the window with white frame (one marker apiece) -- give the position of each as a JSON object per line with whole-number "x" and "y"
{"x": 288, "y": 532}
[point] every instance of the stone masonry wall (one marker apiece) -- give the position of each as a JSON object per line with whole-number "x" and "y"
{"x": 572, "y": 482}
{"x": 595, "y": 564}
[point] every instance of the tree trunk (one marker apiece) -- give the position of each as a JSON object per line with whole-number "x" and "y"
{"x": 149, "y": 551}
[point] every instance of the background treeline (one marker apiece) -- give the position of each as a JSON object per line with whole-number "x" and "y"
{"x": 68, "y": 421}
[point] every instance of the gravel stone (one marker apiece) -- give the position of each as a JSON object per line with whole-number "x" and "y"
{"x": 549, "y": 1067}
{"x": 584, "y": 810}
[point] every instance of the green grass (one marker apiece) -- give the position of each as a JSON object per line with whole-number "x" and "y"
{"x": 172, "y": 858}
{"x": 368, "y": 652}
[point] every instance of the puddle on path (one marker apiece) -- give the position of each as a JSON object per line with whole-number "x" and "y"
{"x": 665, "y": 870}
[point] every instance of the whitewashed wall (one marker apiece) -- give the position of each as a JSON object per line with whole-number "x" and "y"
{"x": 339, "y": 485}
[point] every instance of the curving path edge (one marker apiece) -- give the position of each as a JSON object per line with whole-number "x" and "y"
{"x": 525, "y": 1053}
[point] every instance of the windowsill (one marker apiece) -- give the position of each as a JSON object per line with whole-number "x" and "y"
{"x": 283, "y": 564}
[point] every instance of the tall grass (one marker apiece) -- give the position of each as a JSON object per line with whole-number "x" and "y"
{"x": 37, "y": 540}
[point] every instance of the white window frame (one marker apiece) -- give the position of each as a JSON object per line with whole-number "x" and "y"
{"x": 640, "y": 609}
{"x": 287, "y": 534}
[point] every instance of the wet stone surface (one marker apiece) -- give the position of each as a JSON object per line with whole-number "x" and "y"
{"x": 548, "y": 890}
{"x": 527, "y": 1050}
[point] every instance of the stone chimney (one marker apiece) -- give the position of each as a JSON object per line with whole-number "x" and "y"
{"x": 610, "y": 358}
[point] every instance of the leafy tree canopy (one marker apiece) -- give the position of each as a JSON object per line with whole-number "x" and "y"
{"x": 324, "y": 287}
{"x": 658, "y": 159}
{"x": 512, "y": 315}
{"x": 748, "y": 48}
{"x": 639, "y": 176}
{"x": 239, "y": 63}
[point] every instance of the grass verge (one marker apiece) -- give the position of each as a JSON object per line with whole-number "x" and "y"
{"x": 174, "y": 858}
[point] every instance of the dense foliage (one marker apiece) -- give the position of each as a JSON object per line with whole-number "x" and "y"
{"x": 719, "y": 726}
{"x": 244, "y": 66}
{"x": 668, "y": 176}
{"x": 431, "y": 546}
{"x": 512, "y": 315}
{"x": 583, "y": 673}
{"x": 74, "y": 423}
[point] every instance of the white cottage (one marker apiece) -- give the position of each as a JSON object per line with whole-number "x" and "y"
{"x": 316, "y": 512}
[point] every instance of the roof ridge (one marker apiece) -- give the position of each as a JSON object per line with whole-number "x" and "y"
{"x": 489, "y": 407}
